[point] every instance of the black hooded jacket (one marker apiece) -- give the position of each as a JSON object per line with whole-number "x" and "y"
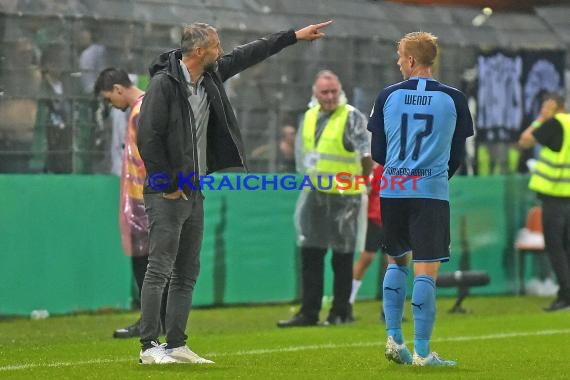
{"x": 166, "y": 137}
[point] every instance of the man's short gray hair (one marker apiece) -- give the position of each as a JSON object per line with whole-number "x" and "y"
{"x": 326, "y": 74}
{"x": 195, "y": 35}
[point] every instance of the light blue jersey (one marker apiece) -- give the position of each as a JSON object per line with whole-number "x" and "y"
{"x": 414, "y": 124}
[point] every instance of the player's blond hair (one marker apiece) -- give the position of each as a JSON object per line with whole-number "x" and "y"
{"x": 420, "y": 45}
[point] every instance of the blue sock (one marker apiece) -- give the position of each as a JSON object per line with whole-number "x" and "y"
{"x": 423, "y": 310}
{"x": 394, "y": 295}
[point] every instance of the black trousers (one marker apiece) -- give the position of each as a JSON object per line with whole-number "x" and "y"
{"x": 556, "y": 226}
{"x": 312, "y": 264}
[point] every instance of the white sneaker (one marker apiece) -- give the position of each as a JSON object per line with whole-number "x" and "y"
{"x": 397, "y": 353}
{"x": 183, "y": 354}
{"x": 432, "y": 359}
{"x": 155, "y": 355}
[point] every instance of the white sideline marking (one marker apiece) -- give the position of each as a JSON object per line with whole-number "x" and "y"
{"x": 133, "y": 359}
{"x": 60, "y": 364}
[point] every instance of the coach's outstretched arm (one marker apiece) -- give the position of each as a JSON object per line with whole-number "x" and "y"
{"x": 247, "y": 55}
{"x": 312, "y": 32}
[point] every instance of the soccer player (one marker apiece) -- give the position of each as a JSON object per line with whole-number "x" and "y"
{"x": 419, "y": 127}
{"x": 374, "y": 239}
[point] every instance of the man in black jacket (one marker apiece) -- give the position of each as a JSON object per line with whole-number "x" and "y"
{"x": 187, "y": 128}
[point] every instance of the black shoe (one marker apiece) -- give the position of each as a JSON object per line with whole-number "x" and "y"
{"x": 133, "y": 331}
{"x": 299, "y": 320}
{"x": 349, "y": 314}
{"x": 333, "y": 320}
{"x": 558, "y": 304}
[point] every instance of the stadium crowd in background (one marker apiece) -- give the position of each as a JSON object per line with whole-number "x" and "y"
{"x": 53, "y": 130}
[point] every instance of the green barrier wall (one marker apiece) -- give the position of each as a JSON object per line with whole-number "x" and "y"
{"x": 60, "y": 246}
{"x": 61, "y": 252}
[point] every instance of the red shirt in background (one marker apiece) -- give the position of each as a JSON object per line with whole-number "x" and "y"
{"x": 374, "y": 197}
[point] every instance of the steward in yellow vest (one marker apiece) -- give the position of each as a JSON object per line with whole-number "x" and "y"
{"x": 551, "y": 175}
{"x": 332, "y": 139}
{"x": 328, "y": 157}
{"x": 551, "y": 180}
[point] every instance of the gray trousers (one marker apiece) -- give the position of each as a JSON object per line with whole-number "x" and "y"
{"x": 175, "y": 236}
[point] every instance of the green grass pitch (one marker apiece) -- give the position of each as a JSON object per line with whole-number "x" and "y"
{"x": 501, "y": 338}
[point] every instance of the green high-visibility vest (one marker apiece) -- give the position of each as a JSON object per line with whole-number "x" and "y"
{"x": 323, "y": 161}
{"x": 551, "y": 175}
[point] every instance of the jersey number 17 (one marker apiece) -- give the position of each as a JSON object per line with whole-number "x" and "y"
{"x": 428, "y": 119}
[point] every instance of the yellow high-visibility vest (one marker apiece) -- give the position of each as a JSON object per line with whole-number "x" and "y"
{"x": 323, "y": 161}
{"x": 551, "y": 175}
